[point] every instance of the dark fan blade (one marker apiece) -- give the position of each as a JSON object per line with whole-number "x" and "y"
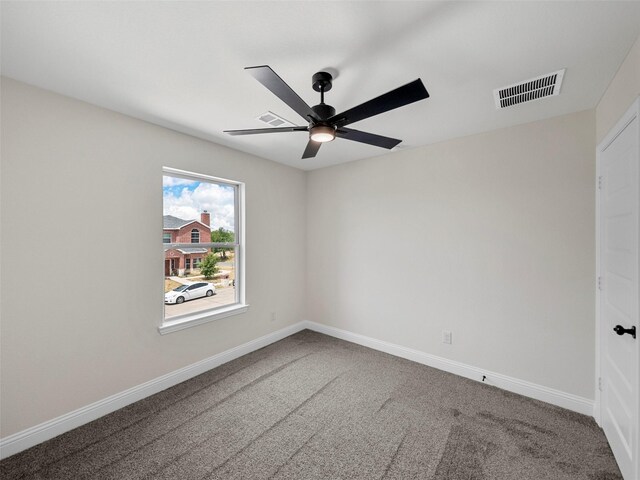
{"x": 280, "y": 89}
{"x": 312, "y": 149}
{"x": 365, "y": 137}
{"x": 254, "y": 131}
{"x": 401, "y": 96}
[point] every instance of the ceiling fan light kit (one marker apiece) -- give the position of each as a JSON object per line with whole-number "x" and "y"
{"x": 323, "y": 123}
{"x": 322, "y": 133}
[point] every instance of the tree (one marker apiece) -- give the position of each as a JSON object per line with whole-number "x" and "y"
{"x": 208, "y": 266}
{"x": 222, "y": 236}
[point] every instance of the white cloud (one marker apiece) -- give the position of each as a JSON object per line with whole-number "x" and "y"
{"x": 175, "y": 181}
{"x": 187, "y": 204}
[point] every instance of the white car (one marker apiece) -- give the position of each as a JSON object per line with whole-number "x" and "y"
{"x": 189, "y": 292}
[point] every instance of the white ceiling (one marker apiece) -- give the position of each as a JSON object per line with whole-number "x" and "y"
{"x": 180, "y": 64}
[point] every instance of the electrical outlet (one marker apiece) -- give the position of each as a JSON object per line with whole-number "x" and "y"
{"x": 273, "y": 316}
{"x": 446, "y": 337}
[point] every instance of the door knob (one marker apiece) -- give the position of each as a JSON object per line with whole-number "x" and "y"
{"x": 620, "y": 330}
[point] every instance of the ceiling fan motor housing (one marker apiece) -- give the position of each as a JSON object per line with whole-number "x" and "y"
{"x": 323, "y": 111}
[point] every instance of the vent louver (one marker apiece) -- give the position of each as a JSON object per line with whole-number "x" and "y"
{"x": 534, "y": 89}
{"x": 274, "y": 120}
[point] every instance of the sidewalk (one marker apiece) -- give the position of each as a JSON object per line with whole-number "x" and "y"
{"x": 184, "y": 281}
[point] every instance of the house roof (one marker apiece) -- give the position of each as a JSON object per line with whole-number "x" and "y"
{"x": 171, "y": 222}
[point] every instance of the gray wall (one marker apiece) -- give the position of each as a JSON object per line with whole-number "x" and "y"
{"x": 489, "y": 236}
{"x": 82, "y": 276}
{"x": 622, "y": 91}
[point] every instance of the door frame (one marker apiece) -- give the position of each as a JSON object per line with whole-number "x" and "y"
{"x": 632, "y": 113}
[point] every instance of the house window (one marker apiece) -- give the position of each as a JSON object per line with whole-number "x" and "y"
{"x": 194, "y": 204}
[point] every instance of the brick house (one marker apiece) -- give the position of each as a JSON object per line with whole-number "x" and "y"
{"x": 178, "y": 261}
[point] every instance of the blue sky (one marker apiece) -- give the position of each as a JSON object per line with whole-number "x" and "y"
{"x": 186, "y": 199}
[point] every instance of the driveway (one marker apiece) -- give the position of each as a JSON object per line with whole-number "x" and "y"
{"x": 223, "y": 296}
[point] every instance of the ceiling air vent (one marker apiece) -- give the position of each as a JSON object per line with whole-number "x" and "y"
{"x": 529, "y": 90}
{"x": 274, "y": 120}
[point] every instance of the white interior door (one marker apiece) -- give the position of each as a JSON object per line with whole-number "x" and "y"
{"x": 619, "y": 293}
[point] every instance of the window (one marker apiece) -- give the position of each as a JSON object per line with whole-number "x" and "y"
{"x": 216, "y": 264}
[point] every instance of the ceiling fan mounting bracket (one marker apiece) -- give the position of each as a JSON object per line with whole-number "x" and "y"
{"x": 321, "y": 81}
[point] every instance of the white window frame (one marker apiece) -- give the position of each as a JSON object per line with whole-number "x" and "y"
{"x": 181, "y": 322}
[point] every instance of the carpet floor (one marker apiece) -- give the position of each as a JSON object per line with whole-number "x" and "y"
{"x": 314, "y": 407}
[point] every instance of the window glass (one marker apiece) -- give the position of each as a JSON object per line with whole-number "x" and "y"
{"x": 204, "y": 211}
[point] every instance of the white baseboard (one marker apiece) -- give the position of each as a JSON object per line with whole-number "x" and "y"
{"x": 32, "y": 436}
{"x": 515, "y": 385}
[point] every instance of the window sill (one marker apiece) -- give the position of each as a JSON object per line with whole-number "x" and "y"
{"x": 200, "y": 318}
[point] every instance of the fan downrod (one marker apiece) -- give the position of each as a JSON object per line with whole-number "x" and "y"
{"x": 321, "y": 82}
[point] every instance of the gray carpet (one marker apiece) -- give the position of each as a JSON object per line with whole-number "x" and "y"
{"x": 314, "y": 407}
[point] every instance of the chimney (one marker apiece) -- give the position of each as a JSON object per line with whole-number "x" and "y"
{"x": 205, "y": 217}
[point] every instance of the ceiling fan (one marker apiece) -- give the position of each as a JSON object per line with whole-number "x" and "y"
{"x": 324, "y": 124}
